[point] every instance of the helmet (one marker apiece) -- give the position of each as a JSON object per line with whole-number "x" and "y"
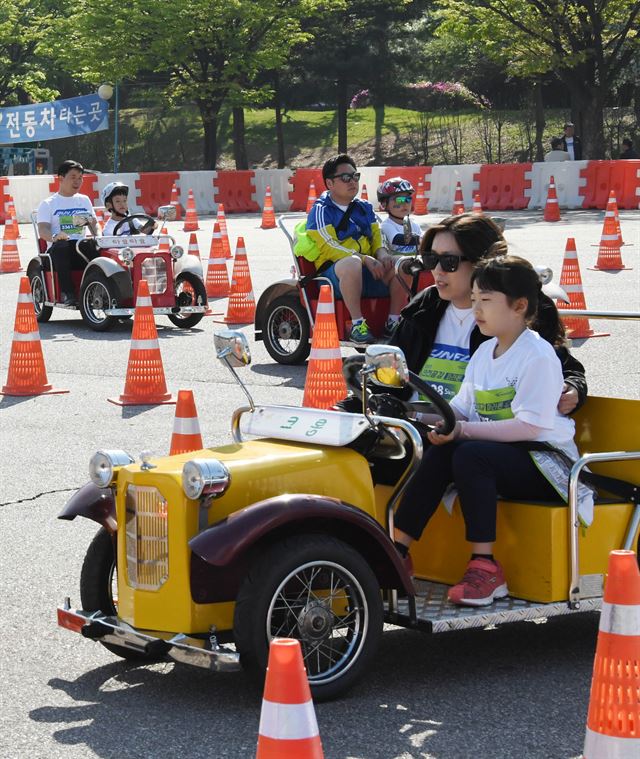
{"x": 111, "y": 188}
{"x": 394, "y": 186}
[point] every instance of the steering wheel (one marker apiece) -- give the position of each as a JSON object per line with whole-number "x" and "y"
{"x": 436, "y": 403}
{"x": 129, "y": 220}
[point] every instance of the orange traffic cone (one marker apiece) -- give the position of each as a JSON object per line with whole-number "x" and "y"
{"x": 191, "y": 217}
{"x": 10, "y": 258}
{"x": 617, "y": 218}
{"x": 217, "y": 283}
{"x": 14, "y": 220}
{"x": 311, "y": 199}
{"x": 222, "y": 221}
{"x": 458, "y": 201}
{"x": 186, "y": 428}
{"x": 10, "y": 231}
{"x": 288, "y": 726}
{"x": 27, "y": 374}
{"x": 324, "y": 385}
{"x": 551, "y": 207}
{"x": 609, "y": 257}
{"x": 420, "y": 206}
{"x": 164, "y": 246}
{"x": 477, "y": 205}
{"x": 193, "y": 249}
{"x": 571, "y": 282}
{"x": 268, "y": 216}
{"x": 145, "y": 384}
{"x": 364, "y": 195}
{"x": 241, "y": 308}
{"x": 613, "y": 720}
{"x": 175, "y": 202}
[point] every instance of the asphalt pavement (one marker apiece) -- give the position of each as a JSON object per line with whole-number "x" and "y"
{"x": 519, "y": 690}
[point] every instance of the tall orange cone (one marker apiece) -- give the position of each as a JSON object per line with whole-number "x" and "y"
{"x": 288, "y": 726}
{"x": 268, "y": 215}
{"x": 10, "y": 230}
{"x": 10, "y": 258}
{"x": 175, "y": 201}
{"x": 241, "y": 308}
{"x": 617, "y": 218}
{"x": 551, "y": 207}
{"x": 609, "y": 256}
{"x": 477, "y": 205}
{"x": 613, "y": 720}
{"x": 191, "y": 217}
{"x": 27, "y": 374}
{"x": 458, "y": 201}
{"x": 14, "y": 220}
{"x": 420, "y": 206}
{"x": 186, "y": 427}
{"x": 222, "y": 221}
{"x": 193, "y": 249}
{"x": 164, "y": 240}
{"x": 145, "y": 384}
{"x": 364, "y": 195}
{"x": 571, "y": 282}
{"x": 312, "y": 197}
{"x": 324, "y": 384}
{"x": 217, "y": 283}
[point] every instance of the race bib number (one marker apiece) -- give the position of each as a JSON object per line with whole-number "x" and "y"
{"x": 444, "y": 370}
{"x": 494, "y": 405}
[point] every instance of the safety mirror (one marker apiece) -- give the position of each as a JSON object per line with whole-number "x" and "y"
{"x": 406, "y": 229}
{"x": 167, "y": 213}
{"x": 81, "y": 219}
{"x": 233, "y": 347}
{"x": 386, "y": 365}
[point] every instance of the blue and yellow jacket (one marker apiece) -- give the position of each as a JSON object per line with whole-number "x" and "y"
{"x": 362, "y": 233}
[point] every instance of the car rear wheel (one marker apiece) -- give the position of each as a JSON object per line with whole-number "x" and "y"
{"x": 190, "y": 291}
{"x": 95, "y": 297}
{"x": 320, "y": 591}
{"x": 287, "y": 330}
{"x": 36, "y": 280}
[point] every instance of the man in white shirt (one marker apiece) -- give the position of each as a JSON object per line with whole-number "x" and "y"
{"x": 55, "y": 225}
{"x": 556, "y": 153}
{"x": 571, "y": 143}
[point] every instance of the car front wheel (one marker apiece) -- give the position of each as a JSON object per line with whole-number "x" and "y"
{"x": 190, "y": 291}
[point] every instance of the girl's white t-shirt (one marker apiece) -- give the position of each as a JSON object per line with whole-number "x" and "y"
{"x": 394, "y": 234}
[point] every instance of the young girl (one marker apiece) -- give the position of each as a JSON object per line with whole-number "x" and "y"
{"x": 509, "y": 394}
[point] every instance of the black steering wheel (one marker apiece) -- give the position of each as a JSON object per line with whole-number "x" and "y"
{"x": 135, "y": 230}
{"x": 384, "y": 403}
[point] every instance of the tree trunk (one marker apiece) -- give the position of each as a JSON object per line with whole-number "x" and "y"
{"x": 589, "y": 122}
{"x": 279, "y": 128}
{"x": 209, "y": 114}
{"x": 342, "y": 114}
{"x": 540, "y": 121}
{"x": 239, "y": 147}
{"x": 378, "y": 109}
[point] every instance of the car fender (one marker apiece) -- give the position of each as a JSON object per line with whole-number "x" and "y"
{"x": 92, "y": 502}
{"x": 227, "y": 544}
{"x": 283, "y": 287}
{"x": 189, "y": 263}
{"x": 119, "y": 277}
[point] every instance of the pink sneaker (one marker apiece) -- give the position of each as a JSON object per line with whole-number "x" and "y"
{"x": 482, "y": 583}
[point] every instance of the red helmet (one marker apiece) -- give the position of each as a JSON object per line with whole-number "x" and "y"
{"x": 394, "y": 186}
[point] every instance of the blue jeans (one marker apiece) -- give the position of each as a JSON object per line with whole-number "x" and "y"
{"x": 371, "y": 287}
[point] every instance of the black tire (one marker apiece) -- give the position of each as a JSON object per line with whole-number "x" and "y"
{"x": 96, "y": 294}
{"x": 36, "y": 280}
{"x": 99, "y": 589}
{"x": 287, "y": 330}
{"x": 298, "y": 572}
{"x": 190, "y": 291}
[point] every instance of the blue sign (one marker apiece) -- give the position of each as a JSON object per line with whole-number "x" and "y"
{"x": 52, "y": 121}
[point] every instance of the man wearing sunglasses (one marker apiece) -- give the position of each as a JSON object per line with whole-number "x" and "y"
{"x": 348, "y": 237}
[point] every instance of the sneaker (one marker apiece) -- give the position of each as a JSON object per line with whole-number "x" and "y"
{"x": 389, "y": 326}
{"x": 482, "y": 584}
{"x": 360, "y": 333}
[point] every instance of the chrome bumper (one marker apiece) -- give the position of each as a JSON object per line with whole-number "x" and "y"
{"x": 206, "y": 653}
{"x": 158, "y": 310}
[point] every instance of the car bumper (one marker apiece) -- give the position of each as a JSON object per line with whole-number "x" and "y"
{"x": 158, "y": 310}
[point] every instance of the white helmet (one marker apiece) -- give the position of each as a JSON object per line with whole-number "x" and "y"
{"x": 109, "y": 189}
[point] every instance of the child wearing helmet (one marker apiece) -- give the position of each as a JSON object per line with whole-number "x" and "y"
{"x": 114, "y": 199}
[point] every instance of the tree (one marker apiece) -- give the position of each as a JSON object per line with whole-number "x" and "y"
{"x": 589, "y": 45}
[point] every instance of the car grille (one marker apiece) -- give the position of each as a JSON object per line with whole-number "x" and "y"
{"x": 154, "y": 270}
{"x": 147, "y": 543}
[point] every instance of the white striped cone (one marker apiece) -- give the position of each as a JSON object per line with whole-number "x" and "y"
{"x": 186, "y": 427}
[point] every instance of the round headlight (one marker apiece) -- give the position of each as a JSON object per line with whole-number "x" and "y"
{"x": 126, "y": 255}
{"x": 177, "y": 251}
{"x": 103, "y": 464}
{"x": 204, "y": 477}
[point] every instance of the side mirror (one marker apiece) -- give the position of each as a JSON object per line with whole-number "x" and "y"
{"x": 167, "y": 213}
{"x": 232, "y": 347}
{"x": 387, "y": 365}
{"x": 81, "y": 219}
{"x": 406, "y": 228}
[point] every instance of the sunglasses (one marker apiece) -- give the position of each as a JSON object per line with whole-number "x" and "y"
{"x": 448, "y": 261}
{"x": 401, "y": 199}
{"x": 346, "y": 177}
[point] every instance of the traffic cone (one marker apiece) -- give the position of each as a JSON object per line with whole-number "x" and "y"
{"x": 288, "y": 726}
{"x": 191, "y": 217}
{"x": 616, "y": 216}
{"x": 222, "y": 221}
{"x": 14, "y": 220}
{"x": 27, "y": 374}
{"x": 186, "y": 427}
{"x": 164, "y": 246}
{"x": 145, "y": 384}
{"x": 571, "y": 282}
{"x": 324, "y": 384}
{"x": 364, "y": 195}
{"x": 268, "y": 216}
{"x": 458, "y": 201}
{"x": 217, "y": 282}
{"x": 477, "y": 205}
{"x": 609, "y": 257}
{"x": 10, "y": 231}
{"x": 420, "y": 206}
{"x": 193, "y": 249}
{"x": 312, "y": 197}
{"x": 551, "y": 207}
{"x": 10, "y": 258}
{"x": 241, "y": 308}
{"x": 613, "y": 720}
{"x": 175, "y": 202}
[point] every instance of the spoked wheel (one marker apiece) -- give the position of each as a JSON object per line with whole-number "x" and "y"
{"x": 321, "y": 592}
{"x": 190, "y": 291}
{"x": 95, "y": 298}
{"x": 43, "y": 313}
{"x": 287, "y": 330}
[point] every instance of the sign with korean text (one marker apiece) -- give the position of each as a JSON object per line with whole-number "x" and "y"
{"x": 54, "y": 120}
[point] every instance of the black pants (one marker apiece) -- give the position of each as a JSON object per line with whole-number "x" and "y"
{"x": 481, "y": 470}
{"x": 65, "y": 257}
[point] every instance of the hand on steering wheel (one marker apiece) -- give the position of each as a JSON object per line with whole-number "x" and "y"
{"x": 129, "y": 220}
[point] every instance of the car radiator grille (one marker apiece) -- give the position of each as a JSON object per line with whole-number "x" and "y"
{"x": 147, "y": 542}
{"x": 154, "y": 270}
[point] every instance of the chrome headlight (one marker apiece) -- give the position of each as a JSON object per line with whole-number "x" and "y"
{"x": 103, "y": 465}
{"x": 177, "y": 251}
{"x": 205, "y": 477}
{"x": 126, "y": 255}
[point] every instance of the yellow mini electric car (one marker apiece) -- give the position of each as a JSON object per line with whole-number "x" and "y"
{"x": 206, "y": 556}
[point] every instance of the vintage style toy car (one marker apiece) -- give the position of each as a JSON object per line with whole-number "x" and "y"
{"x": 106, "y": 289}
{"x": 204, "y": 557}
